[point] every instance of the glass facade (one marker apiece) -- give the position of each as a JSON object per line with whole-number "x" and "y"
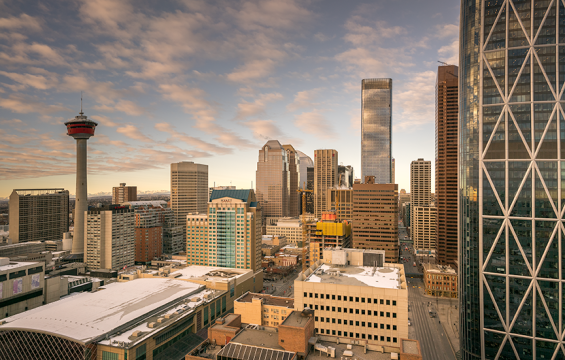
{"x": 273, "y": 180}
{"x": 511, "y": 179}
{"x": 376, "y": 135}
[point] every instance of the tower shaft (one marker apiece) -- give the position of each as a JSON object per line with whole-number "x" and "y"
{"x": 81, "y": 201}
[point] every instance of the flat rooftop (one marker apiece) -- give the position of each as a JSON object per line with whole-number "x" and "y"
{"x": 267, "y": 299}
{"x": 410, "y": 346}
{"x": 227, "y": 320}
{"x": 86, "y": 317}
{"x": 381, "y": 277}
{"x": 440, "y": 269}
{"x": 358, "y": 352}
{"x": 12, "y": 265}
{"x": 295, "y": 319}
{"x": 210, "y": 273}
{"x": 266, "y": 337}
{"x": 246, "y": 352}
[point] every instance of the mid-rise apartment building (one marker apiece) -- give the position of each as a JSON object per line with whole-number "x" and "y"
{"x": 356, "y": 295}
{"x": 21, "y": 286}
{"x": 228, "y": 234}
{"x": 424, "y": 225}
{"x": 325, "y": 176}
{"x": 38, "y": 214}
{"x": 291, "y": 228}
{"x": 263, "y": 309}
{"x": 110, "y": 237}
{"x": 375, "y": 217}
{"x": 123, "y": 193}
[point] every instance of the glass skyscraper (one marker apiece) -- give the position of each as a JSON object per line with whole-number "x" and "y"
{"x": 512, "y": 177}
{"x": 376, "y": 129}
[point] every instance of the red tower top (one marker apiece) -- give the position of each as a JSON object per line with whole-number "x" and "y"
{"x": 81, "y": 127}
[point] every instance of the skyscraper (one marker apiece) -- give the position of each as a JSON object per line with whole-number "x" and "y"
{"x": 420, "y": 186}
{"x": 273, "y": 180}
{"x": 325, "y": 176}
{"x": 305, "y": 163}
{"x": 447, "y": 111}
{"x": 38, "y": 214}
{"x": 189, "y": 190}
{"x": 376, "y": 129}
{"x": 511, "y": 179}
{"x": 123, "y": 193}
{"x": 393, "y": 171}
{"x": 294, "y": 177}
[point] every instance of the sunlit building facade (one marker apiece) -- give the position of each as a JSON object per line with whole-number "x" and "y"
{"x": 511, "y": 179}
{"x": 273, "y": 180}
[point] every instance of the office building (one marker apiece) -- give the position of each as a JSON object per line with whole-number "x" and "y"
{"x": 375, "y": 217}
{"x": 291, "y": 228}
{"x": 420, "y": 186}
{"x": 440, "y": 280}
{"x": 189, "y": 190}
{"x": 228, "y": 234}
{"x": 328, "y": 233}
{"x": 273, "y": 180}
{"x": 340, "y": 200}
{"x": 510, "y": 175}
{"x": 353, "y": 298}
{"x": 406, "y": 214}
{"x": 424, "y": 224}
{"x": 325, "y": 176}
{"x": 38, "y": 214}
{"x": 294, "y": 176}
{"x": 393, "y": 171}
{"x": 263, "y": 309}
{"x": 110, "y": 237}
{"x": 305, "y": 163}
{"x": 403, "y": 197}
{"x": 219, "y": 188}
{"x": 376, "y": 129}
{"x": 21, "y": 286}
{"x": 309, "y": 195}
{"x": 345, "y": 175}
{"x": 123, "y": 193}
{"x": 447, "y": 116}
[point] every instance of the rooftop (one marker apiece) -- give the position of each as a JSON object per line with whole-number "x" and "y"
{"x": 263, "y": 336}
{"x": 245, "y": 352}
{"x": 12, "y": 265}
{"x": 241, "y": 194}
{"x": 267, "y": 299}
{"x": 386, "y": 277}
{"x": 357, "y": 350}
{"x": 296, "y": 319}
{"x": 88, "y": 317}
{"x": 211, "y": 273}
{"x": 440, "y": 269}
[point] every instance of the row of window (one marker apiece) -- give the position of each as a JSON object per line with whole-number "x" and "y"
{"x": 357, "y": 335}
{"x": 357, "y": 323}
{"x": 357, "y": 311}
{"x": 351, "y": 298}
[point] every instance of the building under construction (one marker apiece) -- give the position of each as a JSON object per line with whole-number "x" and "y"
{"x": 329, "y": 232}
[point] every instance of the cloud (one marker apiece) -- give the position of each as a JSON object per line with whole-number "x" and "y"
{"x": 315, "y": 124}
{"x": 303, "y": 99}
{"x": 29, "y": 80}
{"x": 24, "y": 21}
{"x": 192, "y": 141}
{"x": 450, "y": 53}
{"x": 257, "y": 107}
{"x": 273, "y": 14}
{"x": 104, "y": 120}
{"x": 24, "y": 105}
{"x": 362, "y": 31}
{"x": 415, "y": 101}
{"x": 264, "y": 129}
{"x": 133, "y": 132}
{"x": 252, "y": 70}
{"x": 448, "y": 31}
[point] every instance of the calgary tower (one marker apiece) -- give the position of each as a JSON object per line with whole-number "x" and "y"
{"x": 80, "y": 128}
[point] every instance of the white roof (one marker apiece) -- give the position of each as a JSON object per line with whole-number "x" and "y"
{"x": 145, "y": 203}
{"x": 197, "y": 272}
{"x": 382, "y": 277}
{"x": 14, "y": 265}
{"x": 87, "y": 316}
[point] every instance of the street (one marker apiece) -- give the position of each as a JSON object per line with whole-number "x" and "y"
{"x": 283, "y": 287}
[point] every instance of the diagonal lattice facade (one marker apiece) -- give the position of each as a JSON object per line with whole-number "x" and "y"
{"x": 512, "y": 170}
{"x": 24, "y": 345}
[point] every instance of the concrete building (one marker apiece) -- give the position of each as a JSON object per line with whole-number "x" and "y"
{"x": 440, "y": 280}
{"x": 447, "y": 135}
{"x": 291, "y": 228}
{"x": 229, "y": 234}
{"x": 345, "y": 175}
{"x": 424, "y": 225}
{"x": 325, "y": 176}
{"x": 305, "y": 163}
{"x": 110, "y": 237}
{"x": 294, "y": 178}
{"x": 328, "y": 233}
{"x": 420, "y": 186}
{"x": 376, "y": 129}
{"x": 189, "y": 190}
{"x": 375, "y": 218}
{"x": 403, "y": 197}
{"x": 81, "y": 129}
{"x": 356, "y": 295}
{"x": 309, "y": 195}
{"x": 38, "y": 214}
{"x": 340, "y": 199}
{"x": 393, "y": 171}
{"x": 21, "y": 286}
{"x": 123, "y": 193}
{"x": 263, "y": 309}
{"x": 219, "y": 188}
{"x": 273, "y": 180}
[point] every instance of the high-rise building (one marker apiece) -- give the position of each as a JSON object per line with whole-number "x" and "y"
{"x": 393, "y": 171}
{"x": 424, "y": 224}
{"x": 110, "y": 237}
{"x": 229, "y": 233}
{"x": 403, "y": 197}
{"x": 38, "y": 214}
{"x": 325, "y": 176}
{"x": 420, "y": 186}
{"x": 309, "y": 195}
{"x": 447, "y": 116}
{"x": 340, "y": 199}
{"x": 375, "y": 217}
{"x": 345, "y": 175}
{"x": 81, "y": 129}
{"x": 291, "y": 228}
{"x": 123, "y": 193}
{"x": 376, "y": 129}
{"x": 294, "y": 176}
{"x": 511, "y": 127}
{"x": 273, "y": 180}
{"x": 189, "y": 190}
{"x": 305, "y": 163}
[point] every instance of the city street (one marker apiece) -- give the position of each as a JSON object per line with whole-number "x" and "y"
{"x": 283, "y": 287}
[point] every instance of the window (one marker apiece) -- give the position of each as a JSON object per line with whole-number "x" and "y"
{"x": 387, "y": 314}
{"x": 363, "y": 323}
{"x": 357, "y": 335}
{"x": 140, "y": 352}
{"x": 393, "y": 327}
{"x": 382, "y": 326}
{"x": 316, "y": 295}
{"x": 315, "y": 318}
{"x": 333, "y": 297}
{"x": 305, "y": 295}
{"x": 394, "y": 315}
{"x": 351, "y": 322}
{"x": 356, "y": 299}
{"x": 339, "y": 321}
{"x": 333, "y": 332}
{"x": 357, "y": 323}
{"x": 333, "y": 320}
{"x": 393, "y": 302}
{"x": 362, "y": 336}
{"x": 322, "y": 319}
{"x": 351, "y": 298}
{"x": 327, "y": 320}
{"x": 388, "y": 339}
{"x": 310, "y": 295}
{"x": 327, "y": 296}
{"x": 333, "y": 308}
{"x": 356, "y": 311}
{"x": 370, "y": 336}
{"x": 369, "y": 301}
{"x": 106, "y": 355}
{"x": 315, "y": 307}
{"x": 338, "y": 309}
{"x": 369, "y": 324}
{"x": 382, "y": 313}
{"x": 339, "y": 297}
{"x": 339, "y": 333}
{"x": 388, "y": 302}
{"x": 394, "y": 340}
{"x": 351, "y": 311}
{"x": 382, "y": 302}
{"x": 388, "y": 326}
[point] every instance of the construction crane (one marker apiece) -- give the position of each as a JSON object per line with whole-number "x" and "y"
{"x": 305, "y": 244}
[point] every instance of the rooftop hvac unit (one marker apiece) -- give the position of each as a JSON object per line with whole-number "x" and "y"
{"x": 161, "y": 320}
{"x": 152, "y": 325}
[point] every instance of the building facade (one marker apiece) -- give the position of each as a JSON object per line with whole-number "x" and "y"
{"x": 263, "y": 309}
{"x": 447, "y": 116}
{"x": 273, "y": 180}
{"x": 440, "y": 281}
{"x": 189, "y": 190}
{"x": 510, "y": 175}
{"x": 38, "y": 214}
{"x": 345, "y": 175}
{"x": 328, "y": 233}
{"x": 123, "y": 193}
{"x": 21, "y": 286}
{"x": 375, "y": 218}
{"x": 340, "y": 199}
{"x": 325, "y": 176}
{"x": 291, "y": 228}
{"x": 420, "y": 186}
{"x": 305, "y": 163}
{"x": 229, "y": 234}
{"x": 376, "y": 129}
{"x": 424, "y": 225}
{"x": 110, "y": 237}
{"x": 294, "y": 178}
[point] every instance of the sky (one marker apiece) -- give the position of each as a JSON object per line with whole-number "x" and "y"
{"x": 210, "y": 82}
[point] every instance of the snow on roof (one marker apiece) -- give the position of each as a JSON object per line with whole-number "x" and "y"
{"x": 383, "y": 277}
{"x": 88, "y": 316}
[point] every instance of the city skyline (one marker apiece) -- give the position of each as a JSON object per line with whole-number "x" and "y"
{"x": 161, "y": 99}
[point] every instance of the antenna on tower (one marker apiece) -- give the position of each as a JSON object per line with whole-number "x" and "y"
{"x": 81, "y": 103}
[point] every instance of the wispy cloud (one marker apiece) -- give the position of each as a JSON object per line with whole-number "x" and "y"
{"x": 314, "y": 123}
